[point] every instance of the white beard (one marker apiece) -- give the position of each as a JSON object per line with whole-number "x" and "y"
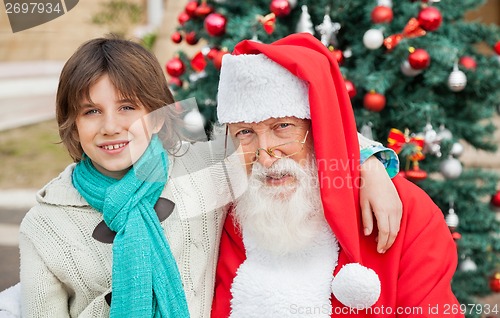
{"x": 281, "y": 219}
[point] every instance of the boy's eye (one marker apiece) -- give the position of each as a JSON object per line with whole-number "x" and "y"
{"x": 91, "y": 111}
{"x": 128, "y": 107}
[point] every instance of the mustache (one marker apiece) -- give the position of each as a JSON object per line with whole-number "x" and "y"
{"x": 279, "y": 168}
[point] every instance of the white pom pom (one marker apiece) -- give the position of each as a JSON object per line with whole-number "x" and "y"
{"x": 356, "y": 286}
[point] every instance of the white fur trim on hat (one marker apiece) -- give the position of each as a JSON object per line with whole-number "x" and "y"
{"x": 356, "y": 286}
{"x": 252, "y": 88}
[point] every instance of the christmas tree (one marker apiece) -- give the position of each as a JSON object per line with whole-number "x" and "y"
{"x": 420, "y": 77}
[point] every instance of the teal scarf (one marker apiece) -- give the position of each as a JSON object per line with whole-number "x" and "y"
{"x": 145, "y": 278}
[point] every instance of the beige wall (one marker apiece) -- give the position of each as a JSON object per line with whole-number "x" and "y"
{"x": 55, "y": 40}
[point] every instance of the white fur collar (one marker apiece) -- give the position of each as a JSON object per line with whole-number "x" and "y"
{"x": 294, "y": 285}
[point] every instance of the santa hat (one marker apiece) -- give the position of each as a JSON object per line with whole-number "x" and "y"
{"x": 298, "y": 76}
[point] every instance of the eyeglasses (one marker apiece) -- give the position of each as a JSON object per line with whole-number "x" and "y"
{"x": 284, "y": 150}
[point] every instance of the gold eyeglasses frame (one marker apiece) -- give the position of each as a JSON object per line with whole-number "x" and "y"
{"x": 270, "y": 150}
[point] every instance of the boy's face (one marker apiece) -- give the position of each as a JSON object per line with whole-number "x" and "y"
{"x": 106, "y": 129}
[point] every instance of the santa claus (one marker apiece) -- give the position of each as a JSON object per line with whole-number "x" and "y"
{"x": 293, "y": 244}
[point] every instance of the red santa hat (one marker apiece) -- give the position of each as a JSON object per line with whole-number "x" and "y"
{"x": 298, "y": 76}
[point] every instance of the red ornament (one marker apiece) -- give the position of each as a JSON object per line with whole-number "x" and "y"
{"x": 280, "y": 8}
{"x": 191, "y": 7}
{"x": 175, "y": 67}
{"x": 416, "y": 174}
{"x": 351, "y": 89}
{"x": 211, "y": 54}
{"x": 374, "y": 101}
{"x": 175, "y": 83}
{"x": 183, "y": 17}
{"x": 419, "y": 59}
{"x": 203, "y": 10}
{"x": 339, "y": 56}
{"x": 401, "y": 174}
{"x": 215, "y": 24}
{"x": 218, "y": 58}
{"x": 192, "y": 38}
{"x": 495, "y": 282}
{"x": 495, "y": 200}
{"x": 468, "y": 62}
{"x": 382, "y": 14}
{"x": 430, "y": 18}
{"x": 198, "y": 63}
{"x": 456, "y": 236}
{"x": 176, "y": 37}
{"x": 497, "y": 47}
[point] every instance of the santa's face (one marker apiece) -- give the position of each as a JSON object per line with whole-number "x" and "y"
{"x": 271, "y": 140}
{"x": 281, "y": 219}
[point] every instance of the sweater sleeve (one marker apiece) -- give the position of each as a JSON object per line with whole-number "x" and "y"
{"x": 43, "y": 295}
{"x": 386, "y": 156}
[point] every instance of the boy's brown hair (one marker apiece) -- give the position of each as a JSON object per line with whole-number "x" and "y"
{"x": 133, "y": 70}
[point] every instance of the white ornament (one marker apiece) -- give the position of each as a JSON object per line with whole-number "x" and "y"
{"x": 385, "y": 3}
{"x": 451, "y": 168}
{"x": 409, "y": 71}
{"x": 305, "y": 24}
{"x": 347, "y": 53}
{"x": 194, "y": 121}
{"x": 366, "y": 130}
{"x": 205, "y": 50}
{"x": 452, "y": 219}
{"x": 457, "y": 149}
{"x": 468, "y": 265}
{"x": 431, "y": 141}
{"x": 457, "y": 79}
{"x": 193, "y": 77}
{"x": 373, "y": 39}
{"x": 255, "y": 38}
{"x": 328, "y": 29}
{"x": 444, "y": 133}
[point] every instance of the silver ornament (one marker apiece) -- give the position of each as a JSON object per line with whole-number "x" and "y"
{"x": 373, "y": 39}
{"x": 205, "y": 50}
{"x": 431, "y": 141}
{"x": 366, "y": 130}
{"x": 457, "y": 149}
{"x": 444, "y": 133}
{"x": 305, "y": 24}
{"x": 193, "y": 77}
{"x": 451, "y": 219}
{"x": 347, "y": 52}
{"x": 451, "y": 168}
{"x": 468, "y": 265}
{"x": 385, "y": 3}
{"x": 457, "y": 79}
{"x": 407, "y": 70}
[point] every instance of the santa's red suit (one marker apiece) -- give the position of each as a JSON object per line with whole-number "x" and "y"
{"x": 415, "y": 273}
